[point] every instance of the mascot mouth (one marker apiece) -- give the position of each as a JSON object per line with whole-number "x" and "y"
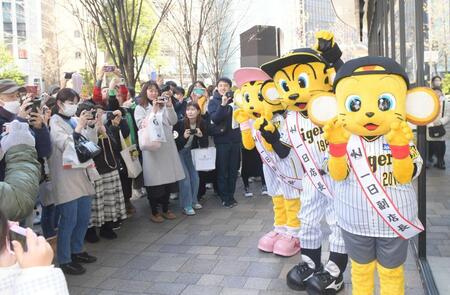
{"x": 257, "y": 115}
{"x": 301, "y": 105}
{"x": 371, "y": 127}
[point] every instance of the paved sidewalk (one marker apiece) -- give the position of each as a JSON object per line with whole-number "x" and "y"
{"x": 211, "y": 253}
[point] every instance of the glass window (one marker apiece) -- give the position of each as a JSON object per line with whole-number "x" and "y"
{"x": 397, "y": 30}
{"x": 20, "y": 19}
{"x": 410, "y": 40}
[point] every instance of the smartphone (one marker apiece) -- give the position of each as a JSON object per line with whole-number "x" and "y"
{"x": 229, "y": 94}
{"x": 36, "y": 105}
{"x": 68, "y": 75}
{"x": 199, "y": 91}
{"x": 193, "y": 131}
{"x": 108, "y": 69}
{"x": 31, "y": 89}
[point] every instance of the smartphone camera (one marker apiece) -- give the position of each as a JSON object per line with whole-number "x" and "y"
{"x": 68, "y": 75}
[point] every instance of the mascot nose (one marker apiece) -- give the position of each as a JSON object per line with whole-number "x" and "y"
{"x": 294, "y": 96}
{"x": 370, "y": 114}
{"x": 252, "y": 108}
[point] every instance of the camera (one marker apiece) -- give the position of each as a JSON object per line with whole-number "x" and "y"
{"x": 192, "y": 131}
{"x": 36, "y": 104}
{"x": 68, "y": 75}
{"x": 229, "y": 94}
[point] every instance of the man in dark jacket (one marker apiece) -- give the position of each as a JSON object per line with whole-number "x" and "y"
{"x": 227, "y": 138}
{"x": 11, "y": 109}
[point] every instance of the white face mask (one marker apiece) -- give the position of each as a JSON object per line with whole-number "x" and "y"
{"x": 12, "y": 106}
{"x": 69, "y": 110}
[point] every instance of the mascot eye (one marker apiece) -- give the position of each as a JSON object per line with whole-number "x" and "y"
{"x": 303, "y": 80}
{"x": 386, "y": 102}
{"x": 284, "y": 85}
{"x": 353, "y": 103}
{"x": 247, "y": 97}
{"x": 260, "y": 97}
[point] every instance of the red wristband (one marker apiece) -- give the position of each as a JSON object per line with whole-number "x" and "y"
{"x": 338, "y": 149}
{"x": 399, "y": 151}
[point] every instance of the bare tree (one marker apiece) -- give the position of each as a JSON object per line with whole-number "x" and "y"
{"x": 220, "y": 44}
{"x": 119, "y": 22}
{"x": 189, "y": 21}
{"x": 89, "y": 34}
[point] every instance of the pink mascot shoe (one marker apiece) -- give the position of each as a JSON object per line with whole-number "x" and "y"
{"x": 287, "y": 246}
{"x": 267, "y": 241}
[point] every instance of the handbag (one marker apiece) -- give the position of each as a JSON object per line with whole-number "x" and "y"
{"x": 151, "y": 134}
{"x": 204, "y": 159}
{"x": 130, "y": 157}
{"x": 86, "y": 149}
{"x": 436, "y": 131}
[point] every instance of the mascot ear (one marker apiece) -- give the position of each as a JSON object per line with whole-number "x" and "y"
{"x": 237, "y": 98}
{"x": 422, "y": 106}
{"x": 322, "y": 108}
{"x": 270, "y": 93}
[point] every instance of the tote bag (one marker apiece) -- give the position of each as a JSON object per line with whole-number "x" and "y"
{"x": 204, "y": 159}
{"x": 152, "y": 133}
{"x": 130, "y": 157}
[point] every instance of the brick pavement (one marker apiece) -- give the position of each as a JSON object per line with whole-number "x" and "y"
{"x": 211, "y": 253}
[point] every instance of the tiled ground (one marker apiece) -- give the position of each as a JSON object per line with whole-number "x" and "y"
{"x": 211, "y": 253}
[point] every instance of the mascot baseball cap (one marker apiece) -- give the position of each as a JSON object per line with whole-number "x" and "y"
{"x": 370, "y": 65}
{"x": 297, "y": 56}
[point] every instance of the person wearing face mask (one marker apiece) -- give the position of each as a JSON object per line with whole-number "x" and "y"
{"x": 72, "y": 187}
{"x": 436, "y": 82}
{"x": 11, "y": 109}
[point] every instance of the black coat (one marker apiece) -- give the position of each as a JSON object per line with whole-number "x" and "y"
{"x": 180, "y": 141}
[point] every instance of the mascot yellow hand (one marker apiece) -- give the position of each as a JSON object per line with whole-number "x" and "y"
{"x": 398, "y": 139}
{"x": 338, "y": 137}
{"x": 240, "y": 116}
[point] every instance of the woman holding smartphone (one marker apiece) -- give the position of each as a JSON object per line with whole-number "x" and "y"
{"x": 162, "y": 167}
{"x": 190, "y": 133}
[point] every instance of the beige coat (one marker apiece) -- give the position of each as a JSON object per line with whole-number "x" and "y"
{"x": 162, "y": 166}
{"x": 67, "y": 184}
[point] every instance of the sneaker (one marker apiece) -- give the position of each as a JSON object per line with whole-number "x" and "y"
{"x": 72, "y": 268}
{"x": 233, "y": 203}
{"x": 197, "y": 206}
{"x": 91, "y": 235}
{"x": 173, "y": 196}
{"x": 169, "y": 215}
{"x": 189, "y": 211}
{"x": 227, "y": 205}
{"x": 83, "y": 257}
{"x": 264, "y": 191}
{"x": 116, "y": 225}
{"x": 324, "y": 283}
{"x": 298, "y": 275}
{"x": 287, "y": 246}
{"x": 209, "y": 186}
{"x": 107, "y": 233}
{"x": 248, "y": 193}
{"x": 157, "y": 218}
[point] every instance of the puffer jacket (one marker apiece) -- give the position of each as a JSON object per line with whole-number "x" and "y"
{"x": 21, "y": 185}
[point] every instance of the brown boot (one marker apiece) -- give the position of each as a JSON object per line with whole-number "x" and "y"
{"x": 169, "y": 215}
{"x": 130, "y": 208}
{"x": 157, "y": 218}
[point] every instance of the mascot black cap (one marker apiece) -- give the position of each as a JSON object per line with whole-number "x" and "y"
{"x": 297, "y": 56}
{"x": 370, "y": 65}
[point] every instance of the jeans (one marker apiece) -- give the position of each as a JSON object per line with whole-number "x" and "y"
{"x": 49, "y": 220}
{"x": 227, "y": 165}
{"x": 189, "y": 185}
{"x": 72, "y": 228}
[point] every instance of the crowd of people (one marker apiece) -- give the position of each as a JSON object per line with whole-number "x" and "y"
{"x": 72, "y": 163}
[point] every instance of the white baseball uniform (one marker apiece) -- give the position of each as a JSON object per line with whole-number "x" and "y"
{"x": 354, "y": 212}
{"x": 315, "y": 204}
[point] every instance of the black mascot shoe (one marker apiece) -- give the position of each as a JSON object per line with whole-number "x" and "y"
{"x": 323, "y": 283}
{"x": 298, "y": 275}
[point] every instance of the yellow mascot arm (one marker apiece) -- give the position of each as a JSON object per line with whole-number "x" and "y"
{"x": 242, "y": 118}
{"x": 247, "y": 139}
{"x": 398, "y": 139}
{"x": 337, "y": 137}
